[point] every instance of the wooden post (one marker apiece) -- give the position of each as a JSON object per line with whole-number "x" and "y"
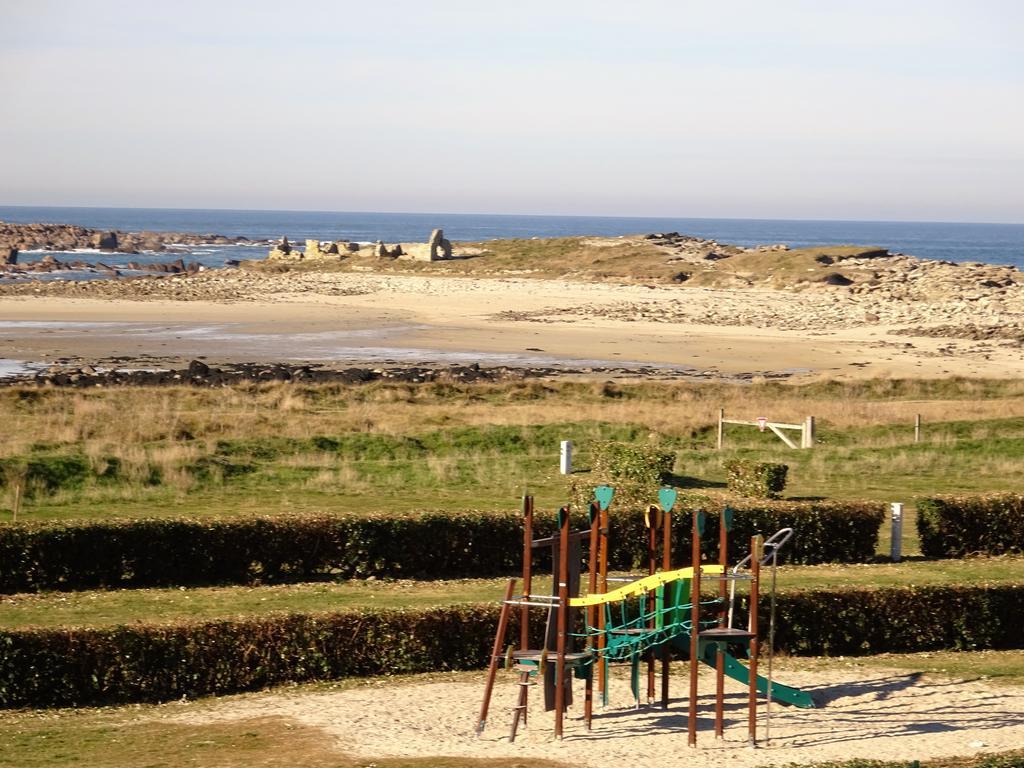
{"x": 666, "y": 565}
{"x": 563, "y": 616}
{"x": 691, "y": 738}
{"x": 917, "y": 428}
{"x": 16, "y": 507}
{"x": 492, "y": 668}
{"x": 592, "y": 610}
{"x": 602, "y": 567}
{"x": 652, "y": 567}
{"x": 807, "y": 436}
{"x": 721, "y": 427}
{"x": 756, "y": 543}
{"x": 524, "y": 612}
{"x": 723, "y": 591}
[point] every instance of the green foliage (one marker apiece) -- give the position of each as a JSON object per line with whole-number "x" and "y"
{"x": 139, "y": 662}
{"x": 954, "y": 526}
{"x": 46, "y": 473}
{"x": 73, "y": 667}
{"x": 636, "y": 471}
{"x": 895, "y": 619}
{"x": 756, "y": 479}
{"x": 245, "y": 550}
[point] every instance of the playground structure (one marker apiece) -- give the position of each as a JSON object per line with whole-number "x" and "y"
{"x": 641, "y": 622}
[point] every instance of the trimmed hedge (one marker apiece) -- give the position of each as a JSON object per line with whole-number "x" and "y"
{"x": 76, "y": 667}
{"x": 756, "y": 479}
{"x": 149, "y": 553}
{"x": 954, "y": 526}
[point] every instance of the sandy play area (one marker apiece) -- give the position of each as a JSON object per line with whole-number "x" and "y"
{"x": 863, "y": 713}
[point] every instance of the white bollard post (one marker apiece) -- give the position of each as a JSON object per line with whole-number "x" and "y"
{"x": 565, "y": 461}
{"x": 896, "y": 541}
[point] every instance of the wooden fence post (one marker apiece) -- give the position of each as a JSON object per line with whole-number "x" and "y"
{"x": 917, "y": 428}
{"x": 721, "y": 427}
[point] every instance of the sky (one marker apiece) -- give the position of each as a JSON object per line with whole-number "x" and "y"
{"x": 896, "y": 110}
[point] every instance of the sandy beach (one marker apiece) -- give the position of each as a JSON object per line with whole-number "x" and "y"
{"x": 240, "y": 316}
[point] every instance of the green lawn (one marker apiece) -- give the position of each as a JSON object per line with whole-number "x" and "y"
{"x": 106, "y": 608}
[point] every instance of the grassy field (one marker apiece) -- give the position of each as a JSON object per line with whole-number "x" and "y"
{"x": 392, "y": 448}
{"x": 110, "y": 607}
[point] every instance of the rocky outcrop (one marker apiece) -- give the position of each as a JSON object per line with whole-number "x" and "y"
{"x": 69, "y": 237}
{"x": 439, "y": 247}
{"x": 283, "y": 250}
{"x": 105, "y": 241}
{"x": 317, "y": 250}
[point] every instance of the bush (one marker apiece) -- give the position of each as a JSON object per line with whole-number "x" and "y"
{"x": 954, "y": 526}
{"x": 635, "y": 470}
{"x": 46, "y": 473}
{"x": 78, "y": 667}
{"x": 756, "y": 480}
{"x": 149, "y": 553}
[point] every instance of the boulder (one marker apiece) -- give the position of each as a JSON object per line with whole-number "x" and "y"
{"x": 352, "y": 247}
{"x": 105, "y": 241}
{"x": 317, "y": 250}
{"x": 439, "y": 247}
{"x": 283, "y": 250}
{"x": 8, "y": 255}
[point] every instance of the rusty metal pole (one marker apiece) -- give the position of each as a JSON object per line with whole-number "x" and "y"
{"x": 756, "y": 544}
{"x": 563, "y": 616}
{"x": 666, "y": 565}
{"x": 492, "y": 668}
{"x": 723, "y": 592}
{"x": 694, "y": 631}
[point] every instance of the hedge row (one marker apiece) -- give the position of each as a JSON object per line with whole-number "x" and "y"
{"x": 148, "y": 553}
{"x": 74, "y": 667}
{"x": 954, "y": 526}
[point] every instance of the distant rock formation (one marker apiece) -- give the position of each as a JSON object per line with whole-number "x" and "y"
{"x": 438, "y": 243}
{"x": 105, "y": 241}
{"x": 435, "y": 249}
{"x": 69, "y": 237}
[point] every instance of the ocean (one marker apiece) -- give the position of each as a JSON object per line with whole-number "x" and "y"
{"x": 990, "y": 243}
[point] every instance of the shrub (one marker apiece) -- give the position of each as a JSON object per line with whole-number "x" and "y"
{"x": 635, "y": 470}
{"x": 954, "y": 526}
{"x": 756, "y": 480}
{"x": 79, "y": 666}
{"x": 47, "y": 473}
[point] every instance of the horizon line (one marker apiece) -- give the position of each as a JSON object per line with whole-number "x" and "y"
{"x": 518, "y": 215}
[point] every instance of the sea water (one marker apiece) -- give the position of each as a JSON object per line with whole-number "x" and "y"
{"x": 990, "y": 243}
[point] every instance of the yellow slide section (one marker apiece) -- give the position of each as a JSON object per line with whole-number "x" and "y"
{"x": 647, "y": 584}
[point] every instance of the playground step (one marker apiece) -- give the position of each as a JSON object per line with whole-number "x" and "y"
{"x": 726, "y": 633}
{"x": 570, "y": 658}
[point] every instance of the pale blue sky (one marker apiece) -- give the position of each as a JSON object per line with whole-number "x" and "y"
{"x": 783, "y": 109}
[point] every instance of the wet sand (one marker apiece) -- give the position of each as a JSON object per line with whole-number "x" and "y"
{"x": 375, "y": 318}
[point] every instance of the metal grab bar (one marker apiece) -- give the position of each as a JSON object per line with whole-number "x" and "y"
{"x": 771, "y": 548}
